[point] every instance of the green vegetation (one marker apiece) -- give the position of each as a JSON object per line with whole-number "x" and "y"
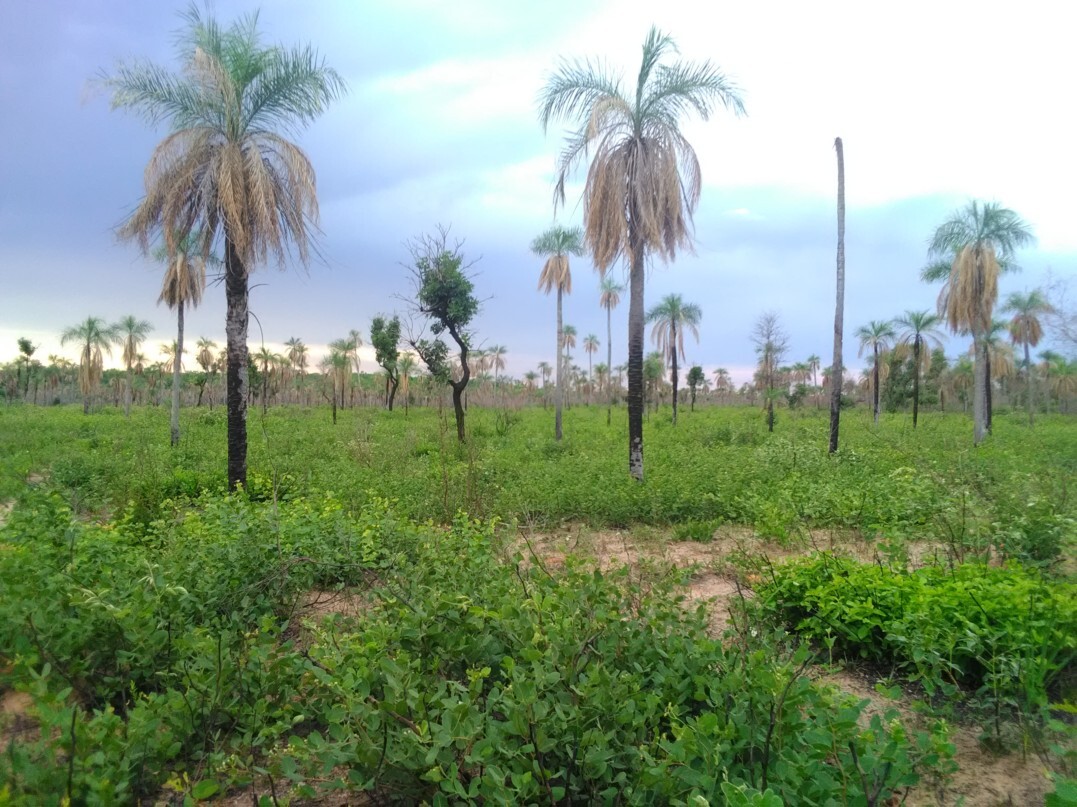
{"x": 162, "y": 627}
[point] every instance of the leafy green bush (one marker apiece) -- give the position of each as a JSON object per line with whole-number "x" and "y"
{"x": 1005, "y": 633}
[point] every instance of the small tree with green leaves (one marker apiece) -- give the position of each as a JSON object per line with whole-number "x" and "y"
{"x": 385, "y": 337}
{"x": 445, "y": 296}
{"x": 695, "y": 381}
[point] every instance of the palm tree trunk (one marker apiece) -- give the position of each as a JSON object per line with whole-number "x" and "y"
{"x": 236, "y": 315}
{"x": 1028, "y": 383}
{"x": 979, "y": 390}
{"x": 987, "y": 388}
{"x": 127, "y": 394}
{"x": 635, "y": 357}
{"x": 875, "y": 395}
{"x": 839, "y": 305}
{"x": 176, "y": 363}
{"x": 673, "y": 339}
{"x": 609, "y": 365}
{"x": 915, "y": 380}
{"x": 559, "y": 392}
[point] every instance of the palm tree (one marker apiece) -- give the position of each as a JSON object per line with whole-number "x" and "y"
{"x": 264, "y": 359}
{"x": 878, "y": 336}
{"x": 671, "y": 317}
{"x": 609, "y": 298}
{"x": 1051, "y": 363}
{"x": 130, "y": 332}
{"x": 591, "y": 345}
{"x": 977, "y": 240}
{"x": 182, "y": 287}
{"x": 568, "y": 339}
{"x": 356, "y": 339}
{"x": 918, "y": 328}
{"x": 643, "y": 182}
{"x": 297, "y": 355}
{"x": 1027, "y": 330}
{"x": 556, "y": 244}
{"x": 224, "y": 166}
{"x": 545, "y": 369}
{"x": 95, "y": 338}
{"x": 497, "y": 355}
{"x": 341, "y": 361}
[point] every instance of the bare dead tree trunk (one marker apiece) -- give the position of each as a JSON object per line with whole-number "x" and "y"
{"x": 839, "y": 305}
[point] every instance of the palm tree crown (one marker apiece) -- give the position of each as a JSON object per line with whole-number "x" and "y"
{"x": 670, "y": 318}
{"x": 556, "y": 244}
{"x": 644, "y": 180}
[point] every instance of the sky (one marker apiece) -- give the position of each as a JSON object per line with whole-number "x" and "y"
{"x": 936, "y": 103}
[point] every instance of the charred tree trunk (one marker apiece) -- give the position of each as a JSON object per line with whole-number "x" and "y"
{"x": 236, "y": 380}
{"x": 839, "y": 306}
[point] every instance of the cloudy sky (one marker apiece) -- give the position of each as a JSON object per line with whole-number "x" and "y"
{"x": 937, "y": 103}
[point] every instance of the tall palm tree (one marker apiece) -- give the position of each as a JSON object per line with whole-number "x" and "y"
{"x": 591, "y": 345}
{"x": 341, "y": 360}
{"x": 130, "y": 332}
{"x": 643, "y": 182}
{"x": 556, "y": 244}
{"x": 264, "y": 360}
{"x": 497, "y": 355}
{"x": 226, "y": 168}
{"x": 917, "y": 329}
{"x": 297, "y": 355}
{"x": 181, "y": 288}
{"x": 878, "y": 336}
{"x": 357, "y": 342}
{"x": 95, "y": 338}
{"x": 977, "y": 239}
{"x": 609, "y": 298}
{"x": 671, "y": 317}
{"x": 1027, "y": 330}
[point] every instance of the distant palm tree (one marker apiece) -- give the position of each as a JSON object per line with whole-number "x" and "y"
{"x": 568, "y": 339}
{"x": 342, "y": 370}
{"x": 977, "y": 240}
{"x": 497, "y": 355}
{"x": 130, "y": 332}
{"x": 878, "y": 336}
{"x": 591, "y": 345}
{"x": 556, "y": 245}
{"x": 225, "y": 167}
{"x": 609, "y": 298}
{"x": 297, "y": 355}
{"x": 545, "y": 369}
{"x": 918, "y": 328}
{"x": 644, "y": 181}
{"x": 1027, "y": 330}
{"x": 670, "y": 318}
{"x": 182, "y": 288}
{"x": 405, "y": 365}
{"x": 264, "y": 359}
{"x": 723, "y": 382}
{"x": 1000, "y": 360}
{"x": 94, "y": 338}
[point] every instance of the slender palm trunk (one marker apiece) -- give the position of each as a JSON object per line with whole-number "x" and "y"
{"x": 875, "y": 395}
{"x": 177, "y": 361}
{"x": 673, "y": 339}
{"x": 839, "y": 305}
{"x": 591, "y": 378}
{"x": 1029, "y": 390}
{"x": 635, "y": 357}
{"x": 559, "y": 392}
{"x": 988, "y": 406}
{"x": 236, "y": 382}
{"x": 915, "y": 379}
{"x": 609, "y": 365}
{"x": 127, "y": 393}
{"x": 979, "y": 389}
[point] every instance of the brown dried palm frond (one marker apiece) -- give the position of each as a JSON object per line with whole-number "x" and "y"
{"x": 972, "y": 289}
{"x": 556, "y": 274}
